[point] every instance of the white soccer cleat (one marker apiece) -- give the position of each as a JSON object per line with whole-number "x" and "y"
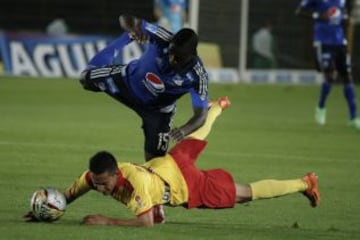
{"x": 320, "y": 116}
{"x": 355, "y": 123}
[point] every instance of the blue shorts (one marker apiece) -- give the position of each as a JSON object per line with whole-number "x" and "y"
{"x": 333, "y": 58}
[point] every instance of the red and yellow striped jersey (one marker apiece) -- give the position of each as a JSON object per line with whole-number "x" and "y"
{"x": 140, "y": 187}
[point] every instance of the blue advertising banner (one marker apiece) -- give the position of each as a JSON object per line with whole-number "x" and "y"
{"x": 42, "y": 55}
{"x": 28, "y": 54}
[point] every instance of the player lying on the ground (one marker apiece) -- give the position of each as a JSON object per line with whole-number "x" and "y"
{"x": 174, "y": 180}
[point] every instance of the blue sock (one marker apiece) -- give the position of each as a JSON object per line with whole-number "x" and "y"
{"x": 108, "y": 55}
{"x": 324, "y": 93}
{"x": 349, "y": 93}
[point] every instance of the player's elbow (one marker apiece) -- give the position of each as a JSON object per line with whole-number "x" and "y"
{"x": 145, "y": 220}
{"x": 148, "y": 224}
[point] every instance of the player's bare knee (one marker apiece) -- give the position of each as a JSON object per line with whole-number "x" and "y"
{"x": 243, "y": 193}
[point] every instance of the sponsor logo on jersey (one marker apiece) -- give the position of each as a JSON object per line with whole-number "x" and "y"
{"x": 153, "y": 83}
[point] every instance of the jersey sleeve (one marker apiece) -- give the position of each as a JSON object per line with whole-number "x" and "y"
{"x": 197, "y": 100}
{"x": 157, "y": 34}
{"x": 80, "y": 186}
{"x": 199, "y": 93}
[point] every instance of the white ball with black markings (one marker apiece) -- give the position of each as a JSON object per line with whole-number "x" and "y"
{"x": 48, "y": 204}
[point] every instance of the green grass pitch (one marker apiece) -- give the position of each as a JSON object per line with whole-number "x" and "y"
{"x": 50, "y": 127}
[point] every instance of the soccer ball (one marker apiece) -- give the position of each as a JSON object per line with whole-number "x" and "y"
{"x": 48, "y": 204}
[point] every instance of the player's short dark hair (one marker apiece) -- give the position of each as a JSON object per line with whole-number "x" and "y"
{"x": 185, "y": 42}
{"x": 103, "y": 162}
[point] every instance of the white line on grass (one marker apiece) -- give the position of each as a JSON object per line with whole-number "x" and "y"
{"x": 129, "y": 149}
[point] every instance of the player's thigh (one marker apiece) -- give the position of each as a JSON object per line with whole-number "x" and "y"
{"x": 343, "y": 63}
{"x": 325, "y": 58}
{"x": 156, "y": 127}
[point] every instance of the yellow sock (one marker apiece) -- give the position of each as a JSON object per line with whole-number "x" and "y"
{"x": 204, "y": 130}
{"x": 276, "y": 188}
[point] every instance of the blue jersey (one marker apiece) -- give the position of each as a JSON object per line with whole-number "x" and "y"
{"x": 155, "y": 84}
{"x": 327, "y": 31}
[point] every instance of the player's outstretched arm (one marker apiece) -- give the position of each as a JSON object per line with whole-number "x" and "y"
{"x": 144, "y": 220}
{"x": 195, "y": 122}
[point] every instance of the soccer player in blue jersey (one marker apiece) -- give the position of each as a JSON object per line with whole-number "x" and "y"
{"x": 332, "y": 57}
{"x": 150, "y": 85}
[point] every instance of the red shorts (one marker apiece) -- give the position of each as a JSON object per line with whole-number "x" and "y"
{"x": 213, "y": 188}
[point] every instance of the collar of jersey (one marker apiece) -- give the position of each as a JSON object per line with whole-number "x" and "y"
{"x": 122, "y": 182}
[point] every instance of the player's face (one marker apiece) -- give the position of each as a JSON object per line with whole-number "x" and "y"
{"x": 176, "y": 58}
{"x": 172, "y": 58}
{"x": 104, "y": 182}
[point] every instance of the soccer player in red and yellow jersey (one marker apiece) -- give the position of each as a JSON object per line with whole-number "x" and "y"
{"x": 174, "y": 180}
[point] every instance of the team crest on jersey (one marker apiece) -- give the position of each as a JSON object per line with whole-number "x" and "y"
{"x": 153, "y": 83}
{"x": 138, "y": 202}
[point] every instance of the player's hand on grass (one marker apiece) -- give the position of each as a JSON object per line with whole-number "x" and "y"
{"x": 29, "y": 217}
{"x": 133, "y": 26}
{"x": 177, "y": 134}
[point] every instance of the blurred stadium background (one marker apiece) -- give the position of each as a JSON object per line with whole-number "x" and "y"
{"x": 225, "y": 30}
